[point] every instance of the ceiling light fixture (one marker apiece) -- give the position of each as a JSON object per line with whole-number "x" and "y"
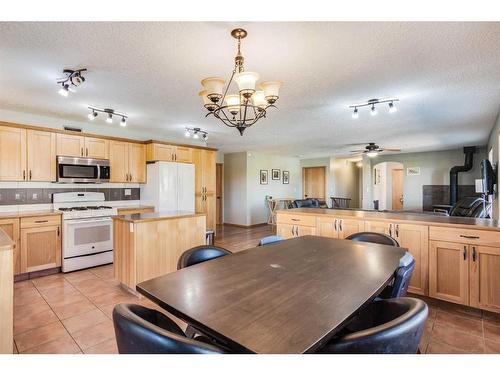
{"x": 110, "y": 112}
{"x": 372, "y": 153}
{"x": 244, "y": 109}
{"x": 372, "y": 104}
{"x": 195, "y": 133}
{"x": 72, "y": 78}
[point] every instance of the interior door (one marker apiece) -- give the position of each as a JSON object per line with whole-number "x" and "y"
{"x": 313, "y": 182}
{"x": 12, "y": 154}
{"x": 218, "y": 193}
{"x": 397, "y": 189}
{"x": 41, "y": 155}
{"x": 485, "y": 277}
{"x": 449, "y": 271}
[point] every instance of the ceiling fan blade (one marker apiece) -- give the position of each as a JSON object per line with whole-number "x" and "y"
{"x": 392, "y": 149}
{"x": 357, "y": 151}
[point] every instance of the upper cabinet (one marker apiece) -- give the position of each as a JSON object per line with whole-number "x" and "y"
{"x": 163, "y": 152}
{"x": 12, "y": 154}
{"x": 41, "y": 156}
{"x": 127, "y": 162}
{"x": 27, "y": 155}
{"x": 80, "y": 146}
{"x": 204, "y": 166}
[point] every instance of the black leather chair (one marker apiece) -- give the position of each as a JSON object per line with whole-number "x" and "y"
{"x": 380, "y": 238}
{"x": 200, "y": 254}
{"x": 471, "y": 207}
{"x": 140, "y": 330}
{"x": 392, "y": 326}
{"x": 306, "y": 203}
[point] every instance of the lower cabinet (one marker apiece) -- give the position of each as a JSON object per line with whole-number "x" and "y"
{"x": 339, "y": 228}
{"x": 292, "y": 230}
{"x": 464, "y": 273}
{"x": 40, "y": 248}
{"x": 11, "y": 227}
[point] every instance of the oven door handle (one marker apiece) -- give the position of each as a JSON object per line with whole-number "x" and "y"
{"x": 98, "y": 172}
{"x": 85, "y": 221}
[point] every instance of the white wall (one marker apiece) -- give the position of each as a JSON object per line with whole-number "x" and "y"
{"x": 244, "y": 196}
{"x": 345, "y": 180}
{"x": 383, "y": 190}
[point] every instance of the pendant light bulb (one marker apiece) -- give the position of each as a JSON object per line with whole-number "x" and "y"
{"x": 64, "y": 90}
{"x": 195, "y": 135}
{"x": 372, "y": 154}
{"x": 123, "y": 122}
{"x": 109, "y": 120}
{"x": 355, "y": 114}
{"x": 187, "y": 134}
{"x": 392, "y": 108}
{"x": 92, "y": 115}
{"x": 373, "y": 111}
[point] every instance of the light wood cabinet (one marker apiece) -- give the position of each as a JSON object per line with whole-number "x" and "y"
{"x": 70, "y": 145}
{"x": 127, "y": 162}
{"x": 163, "y": 152}
{"x": 80, "y": 146}
{"x": 12, "y": 154}
{"x": 97, "y": 148}
{"x": 378, "y": 227}
{"x": 290, "y": 225}
{"x": 449, "y": 271}
{"x": 40, "y": 247}
{"x": 205, "y": 200}
{"x": 484, "y": 275}
{"x": 339, "y": 228}
{"x": 41, "y": 156}
{"x": 11, "y": 227}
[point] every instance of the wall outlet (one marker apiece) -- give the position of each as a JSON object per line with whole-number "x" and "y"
{"x": 34, "y": 196}
{"x": 17, "y": 196}
{"x": 128, "y": 192}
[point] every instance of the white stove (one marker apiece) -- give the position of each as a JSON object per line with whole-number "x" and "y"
{"x": 87, "y": 229}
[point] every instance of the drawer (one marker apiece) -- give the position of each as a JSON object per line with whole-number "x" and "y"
{"x": 40, "y": 221}
{"x": 306, "y": 220}
{"x": 468, "y": 236}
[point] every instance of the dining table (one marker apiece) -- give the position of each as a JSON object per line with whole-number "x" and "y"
{"x": 292, "y": 296}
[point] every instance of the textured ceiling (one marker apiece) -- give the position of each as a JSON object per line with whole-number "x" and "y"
{"x": 446, "y": 74}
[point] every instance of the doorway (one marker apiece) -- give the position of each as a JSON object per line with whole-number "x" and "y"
{"x": 219, "y": 176}
{"x": 314, "y": 182}
{"x": 397, "y": 189}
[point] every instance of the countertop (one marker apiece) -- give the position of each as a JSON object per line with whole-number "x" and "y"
{"x": 139, "y": 207}
{"x": 5, "y": 241}
{"x": 156, "y": 216}
{"x": 416, "y": 218}
{"x": 19, "y": 214}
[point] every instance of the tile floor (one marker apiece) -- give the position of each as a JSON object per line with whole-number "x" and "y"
{"x": 71, "y": 313}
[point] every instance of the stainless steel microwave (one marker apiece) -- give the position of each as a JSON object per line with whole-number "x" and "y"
{"x": 82, "y": 170}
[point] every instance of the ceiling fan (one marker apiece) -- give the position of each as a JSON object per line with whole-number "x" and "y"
{"x": 372, "y": 150}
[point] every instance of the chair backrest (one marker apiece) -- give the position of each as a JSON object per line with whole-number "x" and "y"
{"x": 468, "y": 207}
{"x": 200, "y": 254}
{"x": 140, "y": 330}
{"x": 391, "y": 326}
{"x": 380, "y": 238}
{"x": 306, "y": 203}
{"x": 269, "y": 240}
{"x": 402, "y": 279}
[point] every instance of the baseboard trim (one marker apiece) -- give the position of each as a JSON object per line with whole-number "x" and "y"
{"x": 245, "y": 226}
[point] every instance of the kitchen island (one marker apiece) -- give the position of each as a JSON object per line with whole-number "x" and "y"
{"x": 148, "y": 245}
{"x": 457, "y": 259}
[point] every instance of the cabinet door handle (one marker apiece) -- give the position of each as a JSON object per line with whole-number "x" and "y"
{"x": 469, "y": 237}
{"x": 130, "y": 177}
{"x": 297, "y": 230}
{"x": 58, "y": 232}
{"x": 41, "y": 221}
{"x": 81, "y": 151}
{"x": 465, "y": 252}
{"x": 340, "y": 224}
{"x": 390, "y": 230}
{"x": 397, "y": 230}
{"x": 24, "y": 174}
{"x": 30, "y": 174}
{"x": 335, "y": 225}
{"x": 293, "y": 219}
{"x": 87, "y": 152}
{"x": 473, "y": 253}
{"x": 293, "y": 226}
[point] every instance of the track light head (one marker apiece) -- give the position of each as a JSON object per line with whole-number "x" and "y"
{"x": 195, "y": 135}
{"x": 109, "y": 120}
{"x": 373, "y": 111}
{"x": 205, "y": 137}
{"x": 355, "y": 114}
{"x": 64, "y": 90}
{"x": 187, "y": 133}
{"x": 392, "y": 107}
{"x": 123, "y": 122}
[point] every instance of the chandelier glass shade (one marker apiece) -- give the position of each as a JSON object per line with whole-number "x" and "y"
{"x": 249, "y": 105}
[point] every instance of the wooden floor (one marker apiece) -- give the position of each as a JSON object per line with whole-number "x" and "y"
{"x": 236, "y": 239}
{"x": 71, "y": 313}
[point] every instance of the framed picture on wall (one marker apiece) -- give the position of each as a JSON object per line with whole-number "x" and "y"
{"x": 275, "y": 174}
{"x": 286, "y": 177}
{"x": 263, "y": 176}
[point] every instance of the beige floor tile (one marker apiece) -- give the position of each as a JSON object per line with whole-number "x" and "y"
{"x": 67, "y": 310}
{"x": 39, "y": 336}
{"x": 117, "y": 295}
{"x": 491, "y": 317}
{"x": 47, "y": 282}
{"x": 25, "y": 284}
{"x": 465, "y": 311}
{"x": 104, "y": 272}
{"x": 91, "y": 336}
{"x": 457, "y": 339}
{"x": 78, "y": 276}
{"x": 461, "y": 322}
{"x": 53, "y": 294}
{"x": 491, "y": 347}
{"x": 436, "y": 347}
{"x": 63, "y": 345}
{"x": 32, "y": 308}
{"x": 106, "y": 347}
{"x": 92, "y": 288}
{"x": 25, "y": 323}
{"x": 26, "y": 297}
{"x": 85, "y": 320}
{"x": 66, "y": 299}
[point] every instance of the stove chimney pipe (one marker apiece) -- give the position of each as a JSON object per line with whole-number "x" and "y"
{"x": 469, "y": 157}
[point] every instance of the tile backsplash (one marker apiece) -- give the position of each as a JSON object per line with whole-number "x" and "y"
{"x": 38, "y": 194}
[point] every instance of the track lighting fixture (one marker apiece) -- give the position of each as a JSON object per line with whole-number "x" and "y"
{"x": 72, "y": 78}
{"x": 196, "y": 133}
{"x": 372, "y": 104}
{"x": 110, "y": 112}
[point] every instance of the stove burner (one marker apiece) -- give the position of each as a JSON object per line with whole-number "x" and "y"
{"x": 104, "y": 207}
{"x": 73, "y": 208}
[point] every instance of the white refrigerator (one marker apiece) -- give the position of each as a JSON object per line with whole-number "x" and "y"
{"x": 169, "y": 187}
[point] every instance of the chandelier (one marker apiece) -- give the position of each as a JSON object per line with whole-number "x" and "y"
{"x": 244, "y": 109}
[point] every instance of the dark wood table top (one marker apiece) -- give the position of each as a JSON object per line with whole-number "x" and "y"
{"x": 289, "y": 297}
